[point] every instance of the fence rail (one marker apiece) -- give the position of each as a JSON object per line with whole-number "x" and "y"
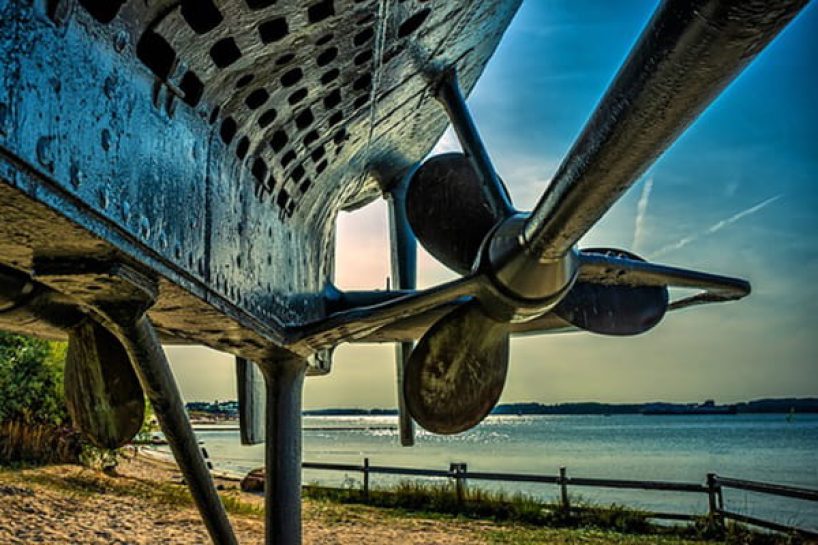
{"x": 713, "y": 487}
{"x": 770, "y": 488}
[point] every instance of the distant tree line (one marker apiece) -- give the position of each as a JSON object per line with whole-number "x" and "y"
{"x": 778, "y": 405}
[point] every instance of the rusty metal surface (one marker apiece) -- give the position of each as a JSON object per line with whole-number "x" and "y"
{"x": 457, "y": 371}
{"x": 148, "y": 127}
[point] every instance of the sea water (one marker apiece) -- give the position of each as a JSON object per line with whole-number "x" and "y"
{"x": 772, "y": 448}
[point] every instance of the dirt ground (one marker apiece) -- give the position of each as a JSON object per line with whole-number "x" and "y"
{"x": 70, "y": 504}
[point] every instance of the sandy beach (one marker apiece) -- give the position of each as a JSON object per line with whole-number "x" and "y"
{"x": 71, "y": 504}
{"x": 59, "y": 504}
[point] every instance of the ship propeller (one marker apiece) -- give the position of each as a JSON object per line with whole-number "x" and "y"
{"x": 527, "y": 264}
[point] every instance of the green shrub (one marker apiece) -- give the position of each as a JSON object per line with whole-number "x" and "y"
{"x": 31, "y": 380}
{"x": 35, "y": 427}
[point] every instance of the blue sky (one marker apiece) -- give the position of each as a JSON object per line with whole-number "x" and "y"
{"x": 736, "y": 195}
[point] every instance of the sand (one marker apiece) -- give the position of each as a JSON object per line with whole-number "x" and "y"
{"x": 70, "y": 504}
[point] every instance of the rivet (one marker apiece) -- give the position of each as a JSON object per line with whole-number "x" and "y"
{"x": 76, "y": 176}
{"x": 105, "y": 139}
{"x": 4, "y": 115}
{"x": 45, "y": 154}
{"x": 103, "y": 198}
{"x": 144, "y": 227}
{"x": 120, "y": 41}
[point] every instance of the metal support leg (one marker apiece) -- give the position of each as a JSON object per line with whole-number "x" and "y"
{"x": 282, "y": 451}
{"x": 154, "y": 373}
{"x": 250, "y": 382}
{"x": 406, "y": 426}
{"x": 404, "y": 275}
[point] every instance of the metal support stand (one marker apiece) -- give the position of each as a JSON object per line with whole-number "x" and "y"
{"x": 142, "y": 344}
{"x": 282, "y": 452}
{"x": 404, "y": 275}
{"x": 250, "y": 382}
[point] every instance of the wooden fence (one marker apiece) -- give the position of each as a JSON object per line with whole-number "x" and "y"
{"x": 713, "y": 487}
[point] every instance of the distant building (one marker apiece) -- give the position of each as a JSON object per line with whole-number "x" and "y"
{"x": 228, "y": 409}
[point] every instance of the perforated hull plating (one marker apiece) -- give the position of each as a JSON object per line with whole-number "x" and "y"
{"x": 215, "y": 143}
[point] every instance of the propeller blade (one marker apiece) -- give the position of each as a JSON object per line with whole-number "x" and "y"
{"x": 449, "y": 211}
{"x": 404, "y": 276}
{"x": 457, "y": 371}
{"x": 613, "y": 309}
{"x": 689, "y": 52}
{"x": 102, "y": 391}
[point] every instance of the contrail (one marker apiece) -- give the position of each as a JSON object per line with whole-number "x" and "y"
{"x": 714, "y": 228}
{"x": 641, "y": 215}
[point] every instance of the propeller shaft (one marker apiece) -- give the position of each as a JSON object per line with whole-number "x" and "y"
{"x": 689, "y": 52}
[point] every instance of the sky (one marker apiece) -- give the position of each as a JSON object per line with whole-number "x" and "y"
{"x": 737, "y": 195}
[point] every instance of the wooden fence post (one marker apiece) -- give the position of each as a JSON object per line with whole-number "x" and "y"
{"x": 366, "y": 479}
{"x": 564, "y": 501}
{"x": 457, "y": 471}
{"x": 715, "y": 499}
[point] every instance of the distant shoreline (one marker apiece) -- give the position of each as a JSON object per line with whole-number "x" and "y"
{"x": 802, "y": 405}
{"x": 761, "y": 406}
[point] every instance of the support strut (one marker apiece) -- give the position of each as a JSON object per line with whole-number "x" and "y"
{"x": 404, "y": 275}
{"x": 250, "y": 382}
{"x": 153, "y": 369}
{"x": 284, "y": 379}
{"x": 452, "y": 100}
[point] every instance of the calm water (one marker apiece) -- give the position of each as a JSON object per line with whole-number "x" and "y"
{"x": 676, "y": 448}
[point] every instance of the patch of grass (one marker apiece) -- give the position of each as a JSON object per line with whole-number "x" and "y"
{"x": 529, "y": 535}
{"x": 236, "y": 506}
{"x": 535, "y": 520}
{"x": 480, "y": 503}
{"x": 37, "y": 443}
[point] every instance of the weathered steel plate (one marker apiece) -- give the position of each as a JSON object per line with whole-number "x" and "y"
{"x": 141, "y": 124}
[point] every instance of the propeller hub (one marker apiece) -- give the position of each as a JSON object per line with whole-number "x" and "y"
{"x": 523, "y": 285}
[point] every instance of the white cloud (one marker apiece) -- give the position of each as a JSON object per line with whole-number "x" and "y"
{"x": 641, "y": 215}
{"x": 716, "y": 227}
